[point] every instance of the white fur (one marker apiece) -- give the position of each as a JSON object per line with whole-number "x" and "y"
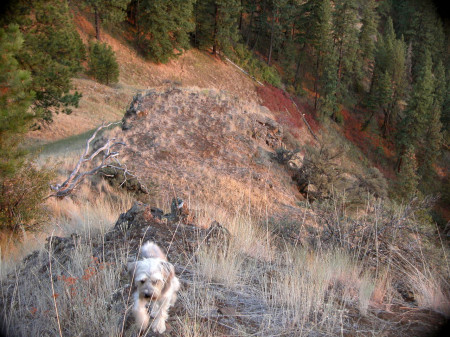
{"x": 154, "y": 283}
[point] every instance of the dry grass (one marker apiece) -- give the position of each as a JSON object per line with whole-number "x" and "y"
{"x": 81, "y": 292}
{"x": 295, "y": 290}
{"x": 272, "y": 287}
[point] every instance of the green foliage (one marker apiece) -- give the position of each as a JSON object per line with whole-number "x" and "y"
{"x": 15, "y": 99}
{"x": 368, "y": 32}
{"x": 216, "y": 24}
{"x": 326, "y": 69}
{"x": 107, "y": 11}
{"x": 21, "y": 196}
{"x": 255, "y": 67}
{"x": 102, "y": 63}
{"x": 52, "y": 52}
{"x": 22, "y": 186}
{"x": 389, "y": 81}
{"x": 345, "y": 37}
{"x": 164, "y": 25}
{"x": 433, "y": 138}
{"x": 407, "y": 179}
{"x": 414, "y": 123}
{"x": 426, "y": 34}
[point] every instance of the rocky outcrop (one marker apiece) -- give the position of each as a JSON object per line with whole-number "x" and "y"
{"x": 194, "y": 141}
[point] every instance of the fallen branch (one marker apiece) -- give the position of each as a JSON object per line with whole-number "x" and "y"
{"x": 242, "y": 70}
{"x": 76, "y": 177}
{"x": 304, "y": 119}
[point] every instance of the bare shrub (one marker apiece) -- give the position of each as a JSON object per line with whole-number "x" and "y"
{"x": 320, "y": 169}
{"x": 69, "y": 299}
{"x": 21, "y": 197}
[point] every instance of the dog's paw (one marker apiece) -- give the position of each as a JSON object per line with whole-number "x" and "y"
{"x": 159, "y": 326}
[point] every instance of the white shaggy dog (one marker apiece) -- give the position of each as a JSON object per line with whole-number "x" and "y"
{"x": 154, "y": 283}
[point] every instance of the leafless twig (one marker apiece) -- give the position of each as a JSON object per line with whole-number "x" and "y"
{"x": 109, "y": 150}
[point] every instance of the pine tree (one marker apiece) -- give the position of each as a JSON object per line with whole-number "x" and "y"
{"x": 22, "y": 186}
{"x": 433, "y": 138}
{"x": 426, "y": 34}
{"x": 217, "y": 22}
{"x": 164, "y": 26}
{"x": 15, "y": 99}
{"x": 414, "y": 126}
{"x": 345, "y": 35}
{"x": 389, "y": 71}
{"x": 325, "y": 72}
{"x": 397, "y": 68}
{"x": 52, "y": 52}
{"x": 407, "y": 178}
{"x": 368, "y": 33}
{"x": 102, "y": 63}
{"x": 107, "y": 11}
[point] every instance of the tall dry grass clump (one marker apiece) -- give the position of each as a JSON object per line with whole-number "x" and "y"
{"x": 280, "y": 287}
{"x": 71, "y": 298}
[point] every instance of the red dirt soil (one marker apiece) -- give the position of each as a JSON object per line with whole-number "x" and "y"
{"x": 367, "y": 141}
{"x": 280, "y": 104}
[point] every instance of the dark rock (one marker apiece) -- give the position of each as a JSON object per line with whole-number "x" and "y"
{"x": 119, "y": 178}
{"x": 227, "y": 311}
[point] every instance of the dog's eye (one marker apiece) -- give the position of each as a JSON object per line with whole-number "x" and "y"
{"x": 154, "y": 282}
{"x": 142, "y": 281}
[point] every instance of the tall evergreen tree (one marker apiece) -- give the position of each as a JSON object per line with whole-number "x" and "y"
{"x": 217, "y": 22}
{"x": 407, "y": 177}
{"x": 426, "y": 34}
{"x": 389, "y": 71}
{"x": 279, "y": 12}
{"x": 164, "y": 26}
{"x": 15, "y": 99}
{"x": 345, "y": 35}
{"x": 102, "y": 63}
{"x": 325, "y": 72}
{"x": 433, "y": 137}
{"x": 398, "y": 82}
{"x": 368, "y": 33}
{"x": 107, "y": 11}
{"x": 52, "y": 52}
{"x": 414, "y": 125}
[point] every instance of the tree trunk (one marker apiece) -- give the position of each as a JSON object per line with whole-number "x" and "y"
{"x": 249, "y": 30}
{"x": 315, "y": 83}
{"x": 240, "y": 16}
{"x": 340, "y": 63}
{"x": 97, "y": 24}
{"x": 138, "y": 27}
{"x": 271, "y": 41}
{"x": 366, "y": 124}
{"x": 297, "y": 70}
{"x": 216, "y": 18}
{"x": 386, "y": 122}
{"x": 399, "y": 160}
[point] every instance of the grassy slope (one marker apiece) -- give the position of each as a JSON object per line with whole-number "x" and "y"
{"x": 108, "y": 103}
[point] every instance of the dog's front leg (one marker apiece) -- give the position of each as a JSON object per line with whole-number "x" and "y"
{"x": 155, "y": 309}
{"x": 141, "y": 314}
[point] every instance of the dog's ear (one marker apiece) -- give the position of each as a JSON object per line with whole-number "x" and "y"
{"x": 131, "y": 267}
{"x": 151, "y": 249}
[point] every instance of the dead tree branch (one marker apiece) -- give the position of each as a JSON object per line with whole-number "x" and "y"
{"x": 110, "y": 152}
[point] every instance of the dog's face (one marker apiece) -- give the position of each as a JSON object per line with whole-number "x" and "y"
{"x": 152, "y": 277}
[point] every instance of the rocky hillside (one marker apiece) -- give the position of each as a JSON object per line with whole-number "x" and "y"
{"x": 79, "y": 286}
{"x": 207, "y": 146}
